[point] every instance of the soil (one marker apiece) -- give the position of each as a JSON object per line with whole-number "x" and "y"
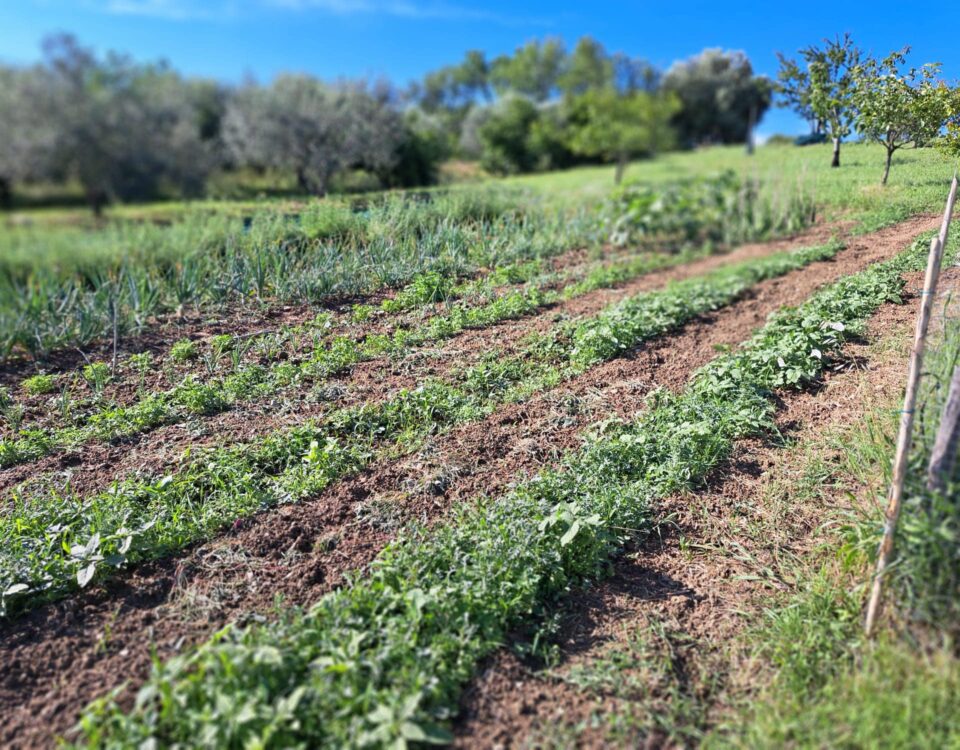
{"x": 690, "y": 589}
{"x": 62, "y": 655}
{"x": 96, "y": 465}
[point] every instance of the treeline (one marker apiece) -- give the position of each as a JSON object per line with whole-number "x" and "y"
{"x": 126, "y": 130}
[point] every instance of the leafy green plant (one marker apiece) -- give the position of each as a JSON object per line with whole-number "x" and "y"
{"x": 96, "y": 374}
{"x": 394, "y": 646}
{"x": 36, "y": 385}
{"x": 183, "y": 351}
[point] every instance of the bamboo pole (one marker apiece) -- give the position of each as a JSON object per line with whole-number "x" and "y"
{"x": 895, "y": 495}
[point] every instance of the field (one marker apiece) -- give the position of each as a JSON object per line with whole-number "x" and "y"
{"x": 525, "y": 463}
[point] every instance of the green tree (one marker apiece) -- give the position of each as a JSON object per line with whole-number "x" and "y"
{"x": 895, "y": 107}
{"x": 505, "y": 136}
{"x": 533, "y": 70}
{"x": 588, "y": 67}
{"x": 720, "y": 97}
{"x": 793, "y": 88}
{"x": 615, "y": 127}
{"x": 827, "y": 91}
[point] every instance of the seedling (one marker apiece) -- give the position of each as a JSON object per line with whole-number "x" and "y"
{"x": 39, "y": 384}
{"x": 183, "y": 351}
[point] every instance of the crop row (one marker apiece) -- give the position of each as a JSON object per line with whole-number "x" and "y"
{"x": 50, "y": 543}
{"x": 382, "y": 660}
{"x": 481, "y": 305}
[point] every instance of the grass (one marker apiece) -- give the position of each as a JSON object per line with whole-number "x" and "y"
{"x": 918, "y": 179}
{"x": 381, "y": 661}
{"x": 827, "y": 686}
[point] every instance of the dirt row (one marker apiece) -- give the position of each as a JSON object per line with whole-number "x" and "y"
{"x": 62, "y": 655}
{"x": 670, "y": 615}
{"x": 96, "y": 465}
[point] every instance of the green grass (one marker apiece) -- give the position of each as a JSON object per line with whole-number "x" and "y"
{"x": 918, "y": 179}
{"x": 827, "y": 686}
{"x": 382, "y": 660}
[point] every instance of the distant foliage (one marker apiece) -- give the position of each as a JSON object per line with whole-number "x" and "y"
{"x": 720, "y": 97}
{"x": 721, "y": 209}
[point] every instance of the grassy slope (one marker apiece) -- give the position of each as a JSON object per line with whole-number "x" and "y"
{"x": 827, "y": 686}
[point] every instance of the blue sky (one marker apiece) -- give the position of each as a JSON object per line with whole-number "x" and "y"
{"x": 402, "y": 39}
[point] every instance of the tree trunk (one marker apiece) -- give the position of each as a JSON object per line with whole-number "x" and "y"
{"x": 836, "y": 153}
{"x": 302, "y": 182}
{"x": 751, "y": 126}
{"x": 886, "y": 168}
{"x": 944, "y": 454}
{"x": 96, "y": 199}
{"x": 621, "y": 168}
{"x": 6, "y": 193}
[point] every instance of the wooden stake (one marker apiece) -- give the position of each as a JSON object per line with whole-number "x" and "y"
{"x": 895, "y": 496}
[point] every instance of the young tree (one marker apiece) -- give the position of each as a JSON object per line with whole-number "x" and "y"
{"x": 793, "y": 86}
{"x": 895, "y": 107}
{"x": 720, "y": 97}
{"x": 616, "y": 127}
{"x": 828, "y": 86}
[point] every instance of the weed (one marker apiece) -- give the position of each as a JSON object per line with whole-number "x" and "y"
{"x": 183, "y": 351}
{"x": 37, "y": 385}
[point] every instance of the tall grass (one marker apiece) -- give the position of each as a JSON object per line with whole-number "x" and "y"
{"x": 68, "y": 287}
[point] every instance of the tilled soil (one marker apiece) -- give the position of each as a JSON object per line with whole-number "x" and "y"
{"x": 692, "y": 588}
{"x": 95, "y": 465}
{"x": 62, "y": 655}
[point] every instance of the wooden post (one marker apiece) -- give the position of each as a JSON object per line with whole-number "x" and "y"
{"x": 895, "y": 496}
{"x": 944, "y": 453}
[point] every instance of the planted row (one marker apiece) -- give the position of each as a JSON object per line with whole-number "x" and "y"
{"x": 252, "y": 381}
{"x": 382, "y": 660}
{"x": 49, "y": 544}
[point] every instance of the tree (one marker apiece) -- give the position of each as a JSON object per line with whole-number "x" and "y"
{"x": 587, "y": 68}
{"x": 533, "y": 70}
{"x": 505, "y": 136}
{"x": 26, "y": 136}
{"x": 634, "y": 74}
{"x": 896, "y": 107}
{"x": 313, "y": 129}
{"x": 122, "y": 129}
{"x": 827, "y": 91}
{"x": 719, "y": 95}
{"x": 616, "y": 127}
{"x": 793, "y": 86}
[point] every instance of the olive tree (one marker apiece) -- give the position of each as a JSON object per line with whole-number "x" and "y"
{"x": 26, "y": 136}
{"x": 121, "y": 129}
{"x": 720, "y": 97}
{"x": 825, "y": 92}
{"x": 895, "y": 107}
{"x": 314, "y": 129}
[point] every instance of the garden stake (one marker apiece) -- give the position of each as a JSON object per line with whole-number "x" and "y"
{"x": 906, "y": 415}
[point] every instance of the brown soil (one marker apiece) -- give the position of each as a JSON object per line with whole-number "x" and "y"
{"x": 671, "y": 610}
{"x": 95, "y": 465}
{"x": 62, "y": 655}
